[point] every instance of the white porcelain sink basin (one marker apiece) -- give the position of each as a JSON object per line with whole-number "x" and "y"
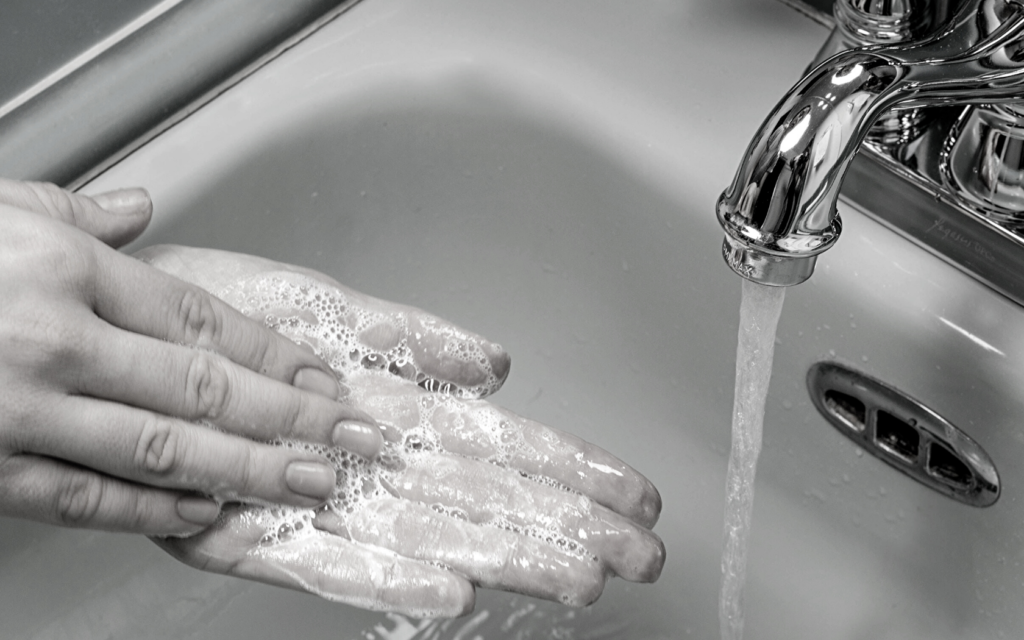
{"x": 545, "y": 174}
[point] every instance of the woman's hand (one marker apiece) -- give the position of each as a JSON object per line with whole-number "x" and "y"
{"x": 463, "y": 493}
{"x": 108, "y": 365}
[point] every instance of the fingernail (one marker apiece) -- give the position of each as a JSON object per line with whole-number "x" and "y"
{"x": 124, "y": 202}
{"x": 358, "y": 437}
{"x": 498, "y": 358}
{"x": 198, "y": 510}
{"x": 311, "y": 479}
{"x": 316, "y": 381}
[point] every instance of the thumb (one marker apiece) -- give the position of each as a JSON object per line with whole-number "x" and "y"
{"x": 115, "y": 217}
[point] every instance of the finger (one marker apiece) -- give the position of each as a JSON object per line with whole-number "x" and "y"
{"x": 488, "y": 556}
{"x": 538, "y": 450}
{"x": 363, "y": 330}
{"x": 355, "y": 331}
{"x": 342, "y": 571}
{"x": 51, "y": 491}
{"x": 134, "y": 296}
{"x": 489, "y": 494}
{"x": 478, "y": 429}
{"x": 155, "y": 450}
{"x": 197, "y": 385}
{"x": 116, "y": 217}
{"x": 448, "y": 354}
{"x": 328, "y": 566}
{"x": 584, "y": 467}
{"x": 435, "y": 350}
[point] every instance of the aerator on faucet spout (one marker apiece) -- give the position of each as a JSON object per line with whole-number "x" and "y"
{"x": 780, "y": 211}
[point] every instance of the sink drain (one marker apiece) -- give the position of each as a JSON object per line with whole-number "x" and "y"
{"x": 904, "y": 433}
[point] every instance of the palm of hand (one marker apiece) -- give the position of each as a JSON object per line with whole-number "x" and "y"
{"x": 464, "y": 492}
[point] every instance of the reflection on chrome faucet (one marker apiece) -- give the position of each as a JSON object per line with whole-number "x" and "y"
{"x": 779, "y": 213}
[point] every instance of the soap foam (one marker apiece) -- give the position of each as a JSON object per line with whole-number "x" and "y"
{"x": 325, "y": 318}
{"x": 309, "y": 312}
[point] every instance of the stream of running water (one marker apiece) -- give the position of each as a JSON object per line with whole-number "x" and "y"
{"x": 760, "y": 308}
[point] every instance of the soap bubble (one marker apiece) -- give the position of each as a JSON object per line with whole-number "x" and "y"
{"x": 309, "y": 312}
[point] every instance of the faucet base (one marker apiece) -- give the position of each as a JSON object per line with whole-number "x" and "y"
{"x": 916, "y": 204}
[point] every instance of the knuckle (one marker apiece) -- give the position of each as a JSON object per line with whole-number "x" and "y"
{"x": 53, "y": 341}
{"x": 297, "y": 407}
{"x": 46, "y": 346}
{"x": 55, "y": 201}
{"x": 66, "y": 258}
{"x": 207, "y": 387}
{"x": 79, "y": 500}
{"x": 23, "y": 413}
{"x": 198, "y": 319}
{"x": 18, "y": 413}
{"x": 139, "y": 514}
{"x": 244, "y": 470}
{"x": 388, "y": 580}
{"x": 265, "y": 351}
{"x": 160, "y": 448}
{"x": 509, "y": 565}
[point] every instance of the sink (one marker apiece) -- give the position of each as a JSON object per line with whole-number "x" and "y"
{"x": 545, "y": 174}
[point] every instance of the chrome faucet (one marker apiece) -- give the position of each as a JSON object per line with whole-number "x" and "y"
{"x": 779, "y": 213}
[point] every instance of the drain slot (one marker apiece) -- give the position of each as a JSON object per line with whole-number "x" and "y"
{"x": 847, "y": 408}
{"x": 899, "y": 438}
{"x": 904, "y": 433}
{"x": 945, "y": 465}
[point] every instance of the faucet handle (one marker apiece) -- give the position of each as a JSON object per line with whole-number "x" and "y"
{"x": 862, "y": 23}
{"x": 982, "y": 163}
{"x": 867, "y": 22}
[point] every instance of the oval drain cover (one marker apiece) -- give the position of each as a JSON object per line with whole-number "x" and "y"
{"x": 904, "y": 433}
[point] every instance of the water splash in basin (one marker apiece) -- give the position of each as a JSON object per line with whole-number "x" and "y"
{"x": 760, "y": 308}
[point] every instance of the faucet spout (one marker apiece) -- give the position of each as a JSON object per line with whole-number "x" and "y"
{"x": 779, "y": 213}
